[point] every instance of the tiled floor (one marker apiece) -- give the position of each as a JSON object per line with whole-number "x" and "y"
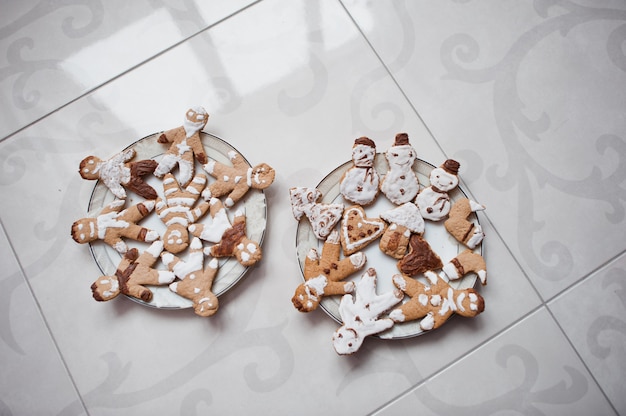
{"x": 529, "y": 96}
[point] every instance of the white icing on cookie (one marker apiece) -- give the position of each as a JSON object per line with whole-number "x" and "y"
{"x": 407, "y": 215}
{"x": 400, "y": 184}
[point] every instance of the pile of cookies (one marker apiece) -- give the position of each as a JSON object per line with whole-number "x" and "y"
{"x": 176, "y": 203}
{"x": 422, "y": 291}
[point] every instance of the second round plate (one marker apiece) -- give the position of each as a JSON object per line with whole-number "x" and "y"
{"x": 435, "y": 233}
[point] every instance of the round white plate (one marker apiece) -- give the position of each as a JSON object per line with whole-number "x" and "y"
{"x": 230, "y": 271}
{"x": 386, "y": 266}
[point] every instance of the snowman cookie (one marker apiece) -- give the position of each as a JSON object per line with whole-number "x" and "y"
{"x": 433, "y": 201}
{"x": 359, "y": 184}
{"x": 400, "y": 184}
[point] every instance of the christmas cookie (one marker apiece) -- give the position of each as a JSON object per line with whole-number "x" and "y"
{"x": 113, "y": 223}
{"x": 359, "y": 184}
{"x": 196, "y": 280}
{"x": 403, "y": 221}
{"x": 466, "y": 262}
{"x": 358, "y": 231}
{"x": 323, "y": 217}
{"x": 420, "y": 257}
{"x": 235, "y": 243}
{"x": 460, "y": 228}
{"x": 323, "y": 274}
{"x": 118, "y": 173}
{"x": 214, "y": 227}
{"x": 361, "y": 315}
{"x": 185, "y": 143}
{"x": 434, "y": 201}
{"x": 133, "y": 273}
{"x": 400, "y": 184}
{"x": 435, "y": 302}
{"x": 176, "y": 210}
{"x": 234, "y": 181}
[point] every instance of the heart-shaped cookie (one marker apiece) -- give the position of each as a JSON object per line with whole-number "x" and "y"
{"x": 357, "y": 230}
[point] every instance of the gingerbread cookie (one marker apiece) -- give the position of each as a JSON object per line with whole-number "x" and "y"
{"x": 361, "y": 315}
{"x": 185, "y": 143}
{"x": 433, "y": 201}
{"x": 234, "y": 181}
{"x": 359, "y": 184}
{"x": 113, "y": 223}
{"x": 214, "y": 227}
{"x": 358, "y": 231}
{"x": 464, "y": 263}
{"x": 460, "y": 228}
{"x": 400, "y": 184}
{"x": 434, "y": 303}
{"x": 176, "y": 210}
{"x": 404, "y": 220}
{"x": 133, "y": 273}
{"x": 323, "y": 217}
{"x": 196, "y": 280}
{"x": 323, "y": 274}
{"x": 420, "y": 257}
{"x": 235, "y": 243}
{"x": 118, "y": 173}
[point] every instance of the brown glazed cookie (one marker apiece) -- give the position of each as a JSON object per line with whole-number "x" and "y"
{"x": 420, "y": 257}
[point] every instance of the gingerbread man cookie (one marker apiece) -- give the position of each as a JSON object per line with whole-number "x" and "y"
{"x": 113, "y": 223}
{"x": 117, "y": 173}
{"x": 196, "y": 281}
{"x": 359, "y": 184}
{"x": 323, "y": 274}
{"x": 176, "y": 210}
{"x": 133, "y": 273}
{"x": 434, "y": 303}
{"x": 400, "y": 184}
{"x": 235, "y": 243}
{"x": 361, "y": 315}
{"x": 433, "y": 201}
{"x": 214, "y": 227}
{"x": 234, "y": 181}
{"x": 185, "y": 143}
{"x": 323, "y": 217}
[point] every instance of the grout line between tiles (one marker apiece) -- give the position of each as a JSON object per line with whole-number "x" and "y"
{"x": 128, "y": 70}
{"x": 43, "y": 319}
